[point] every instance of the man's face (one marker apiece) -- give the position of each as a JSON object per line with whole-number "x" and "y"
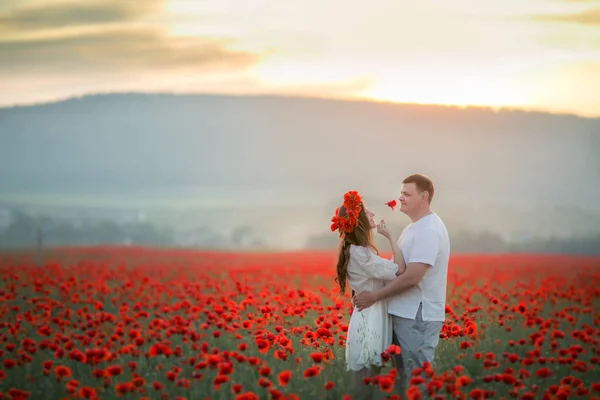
{"x": 410, "y": 198}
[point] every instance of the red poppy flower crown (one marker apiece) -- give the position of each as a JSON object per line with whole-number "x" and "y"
{"x": 347, "y": 223}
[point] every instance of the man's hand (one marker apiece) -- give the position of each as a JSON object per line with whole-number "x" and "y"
{"x": 364, "y": 300}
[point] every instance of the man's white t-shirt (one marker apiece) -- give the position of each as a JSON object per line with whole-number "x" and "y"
{"x": 424, "y": 241}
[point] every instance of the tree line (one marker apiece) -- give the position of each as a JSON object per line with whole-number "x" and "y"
{"x": 25, "y": 230}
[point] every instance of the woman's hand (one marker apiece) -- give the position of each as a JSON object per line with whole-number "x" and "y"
{"x": 383, "y": 230}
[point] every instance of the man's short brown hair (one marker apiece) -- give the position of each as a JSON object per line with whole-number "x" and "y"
{"x": 422, "y": 182}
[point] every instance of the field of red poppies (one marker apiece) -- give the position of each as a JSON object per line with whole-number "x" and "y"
{"x": 168, "y": 324}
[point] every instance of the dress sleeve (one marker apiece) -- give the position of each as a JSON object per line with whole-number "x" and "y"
{"x": 374, "y": 266}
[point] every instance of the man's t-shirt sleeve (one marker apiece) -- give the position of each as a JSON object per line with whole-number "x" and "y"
{"x": 425, "y": 248}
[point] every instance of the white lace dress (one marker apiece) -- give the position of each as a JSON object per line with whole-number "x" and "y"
{"x": 369, "y": 331}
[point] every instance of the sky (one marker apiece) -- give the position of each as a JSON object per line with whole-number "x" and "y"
{"x": 530, "y": 54}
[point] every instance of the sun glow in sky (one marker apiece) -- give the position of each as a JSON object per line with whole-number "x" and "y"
{"x": 534, "y": 54}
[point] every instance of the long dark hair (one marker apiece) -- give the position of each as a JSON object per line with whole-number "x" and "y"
{"x": 360, "y": 236}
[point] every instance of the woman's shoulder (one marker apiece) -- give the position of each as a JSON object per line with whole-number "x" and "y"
{"x": 361, "y": 251}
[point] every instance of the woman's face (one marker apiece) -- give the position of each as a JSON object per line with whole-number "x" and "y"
{"x": 371, "y": 218}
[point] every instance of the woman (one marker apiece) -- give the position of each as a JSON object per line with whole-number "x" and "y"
{"x": 359, "y": 264}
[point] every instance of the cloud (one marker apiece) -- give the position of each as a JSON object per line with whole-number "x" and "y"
{"x": 570, "y": 40}
{"x": 67, "y": 14}
{"x": 574, "y": 30}
{"x": 65, "y": 36}
{"x": 589, "y": 17}
{"x": 121, "y": 50}
{"x": 56, "y": 48}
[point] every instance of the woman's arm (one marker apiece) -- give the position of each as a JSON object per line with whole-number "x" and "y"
{"x": 398, "y": 258}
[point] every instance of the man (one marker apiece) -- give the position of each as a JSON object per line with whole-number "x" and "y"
{"x": 417, "y": 298}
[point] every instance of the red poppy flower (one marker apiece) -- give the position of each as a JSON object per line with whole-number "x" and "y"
{"x": 284, "y": 377}
{"x": 391, "y": 204}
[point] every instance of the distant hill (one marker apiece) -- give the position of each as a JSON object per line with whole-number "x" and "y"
{"x": 506, "y": 170}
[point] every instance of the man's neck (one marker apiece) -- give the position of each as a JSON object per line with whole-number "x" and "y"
{"x": 420, "y": 215}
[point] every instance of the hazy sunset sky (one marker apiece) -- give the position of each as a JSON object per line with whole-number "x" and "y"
{"x": 536, "y": 54}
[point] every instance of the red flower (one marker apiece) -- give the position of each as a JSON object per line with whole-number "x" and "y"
{"x": 416, "y": 380}
{"x": 413, "y": 393}
{"x": 543, "y": 373}
{"x": 138, "y": 381}
{"x": 236, "y": 388}
{"x": 44, "y": 331}
{"x": 312, "y": 371}
{"x": 87, "y": 392}
{"x": 347, "y": 223}
{"x": 61, "y": 371}
{"x": 225, "y": 368}
{"x": 220, "y": 379}
{"x": 14, "y": 393}
{"x": 284, "y": 377}
{"x": 262, "y": 382}
{"x": 464, "y": 381}
{"x": 391, "y": 204}
{"x": 123, "y": 388}
{"x": 393, "y": 349}
{"x": 386, "y": 384}
{"x": 114, "y": 370}
{"x": 477, "y": 394}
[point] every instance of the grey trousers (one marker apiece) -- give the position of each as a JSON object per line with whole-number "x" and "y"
{"x": 418, "y": 340}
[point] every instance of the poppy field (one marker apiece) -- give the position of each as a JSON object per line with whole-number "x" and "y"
{"x": 137, "y": 323}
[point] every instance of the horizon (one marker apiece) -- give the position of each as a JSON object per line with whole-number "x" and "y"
{"x": 495, "y": 109}
{"x": 531, "y": 55}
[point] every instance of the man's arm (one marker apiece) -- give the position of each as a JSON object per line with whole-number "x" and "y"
{"x": 411, "y": 277}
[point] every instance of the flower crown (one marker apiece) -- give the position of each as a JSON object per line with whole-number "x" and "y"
{"x": 348, "y": 222}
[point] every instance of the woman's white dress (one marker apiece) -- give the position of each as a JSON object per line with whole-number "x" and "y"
{"x": 370, "y": 331}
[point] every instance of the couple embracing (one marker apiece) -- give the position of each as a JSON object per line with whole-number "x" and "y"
{"x": 399, "y": 301}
